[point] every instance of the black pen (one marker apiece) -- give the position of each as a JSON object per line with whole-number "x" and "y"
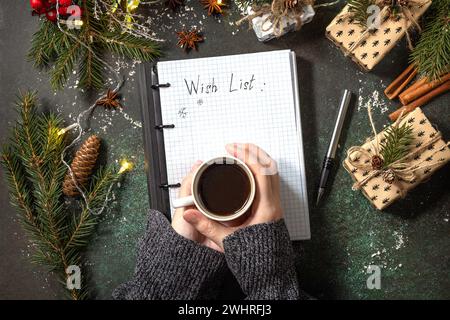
{"x": 328, "y": 162}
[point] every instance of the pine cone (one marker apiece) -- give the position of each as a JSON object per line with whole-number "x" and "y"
{"x": 389, "y": 176}
{"x": 377, "y": 162}
{"x": 290, "y": 3}
{"x": 82, "y": 165}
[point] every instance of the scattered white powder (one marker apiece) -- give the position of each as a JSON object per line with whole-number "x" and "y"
{"x": 373, "y": 99}
{"x": 135, "y": 123}
{"x": 399, "y": 240}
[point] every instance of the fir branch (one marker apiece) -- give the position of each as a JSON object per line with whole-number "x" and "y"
{"x": 32, "y": 131}
{"x": 432, "y": 52}
{"x": 42, "y": 45}
{"x": 26, "y": 130}
{"x": 397, "y": 143}
{"x": 83, "y": 225}
{"x": 35, "y": 172}
{"x": 129, "y": 46}
{"x": 99, "y": 189}
{"x": 21, "y": 197}
{"x": 36, "y": 193}
{"x": 358, "y": 9}
{"x": 86, "y": 47}
{"x": 20, "y": 190}
{"x": 91, "y": 68}
{"x": 69, "y": 53}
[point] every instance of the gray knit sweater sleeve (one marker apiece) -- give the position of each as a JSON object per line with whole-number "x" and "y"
{"x": 170, "y": 266}
{"x": 262, "y": 260}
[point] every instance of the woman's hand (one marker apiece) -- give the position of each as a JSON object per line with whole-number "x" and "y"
{"x": 266, "y": 206}
{"x": 180, "y": 225}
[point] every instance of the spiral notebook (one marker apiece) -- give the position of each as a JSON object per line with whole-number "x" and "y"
{"x": 192, "y": 108}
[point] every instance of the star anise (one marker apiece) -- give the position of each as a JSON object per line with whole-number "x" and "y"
{"x": 111, "y": 100}
{"x": 174, "y": 4}
{"x": 213, "y": 6}
{"x": 189, "y": 40}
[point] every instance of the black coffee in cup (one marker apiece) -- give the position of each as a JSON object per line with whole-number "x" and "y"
{"x": 224, "y": 188}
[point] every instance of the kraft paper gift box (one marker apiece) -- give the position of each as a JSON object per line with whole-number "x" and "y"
{"x": 428, "y": 147}
{"x": 373, "y": 46}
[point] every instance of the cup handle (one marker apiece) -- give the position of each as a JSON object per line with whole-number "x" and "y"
{"x": 183, "y": 202}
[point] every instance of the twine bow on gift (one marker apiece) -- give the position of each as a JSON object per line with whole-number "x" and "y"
{"x": 391, "y": 8}
{"x": 401, "y": 170}
{"x": 277, "y": 12}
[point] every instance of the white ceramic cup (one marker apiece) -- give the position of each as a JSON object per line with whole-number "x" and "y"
{"x": 194, "y": 199}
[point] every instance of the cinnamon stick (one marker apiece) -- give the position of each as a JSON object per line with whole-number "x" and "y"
{"x": 396, "y": 87}
{"x": 414, "y": 86}
{"x": 412, "y": 95}
{"x": 421, "y": 101}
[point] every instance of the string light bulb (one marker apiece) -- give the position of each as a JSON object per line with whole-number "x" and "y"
{"x": 68, "y": 128}
{"x": 125, "y": 165}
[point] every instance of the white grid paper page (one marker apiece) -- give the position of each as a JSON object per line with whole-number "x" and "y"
{"x": 264, "y": 115}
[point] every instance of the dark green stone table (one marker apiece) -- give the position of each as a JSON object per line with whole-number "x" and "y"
{"x": 409, "y": 241}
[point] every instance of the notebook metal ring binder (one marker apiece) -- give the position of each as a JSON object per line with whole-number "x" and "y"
{"x": 160, "y": 85}
{"x": 167, "y": 186}
{"x": 164, "y": 126}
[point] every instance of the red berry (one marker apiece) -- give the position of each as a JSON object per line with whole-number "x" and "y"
{"x": 51, "y": 15}
{"x": 63, "y": 11}
{"x": 42, "y": 11}
{"x": 36, "y": 4}
{"x": 62, "y": 3}
{"x": 65, "y": 3}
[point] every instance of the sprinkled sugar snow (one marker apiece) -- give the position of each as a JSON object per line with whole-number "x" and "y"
{"x": 373, "y": 99}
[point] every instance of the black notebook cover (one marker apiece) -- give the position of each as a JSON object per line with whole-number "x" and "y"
{"x": 155, "y": 160}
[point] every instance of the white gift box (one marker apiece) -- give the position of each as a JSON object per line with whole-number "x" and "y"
{"x": 263, "y": 27}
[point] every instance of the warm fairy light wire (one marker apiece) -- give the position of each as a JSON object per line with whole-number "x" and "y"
{"x": 130, "y": 27}
{"x": 125, "y": 165}
{"x": 77, "y": 124}
{"x": 68, "y": 128}
{"x": 77, "y": 23}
